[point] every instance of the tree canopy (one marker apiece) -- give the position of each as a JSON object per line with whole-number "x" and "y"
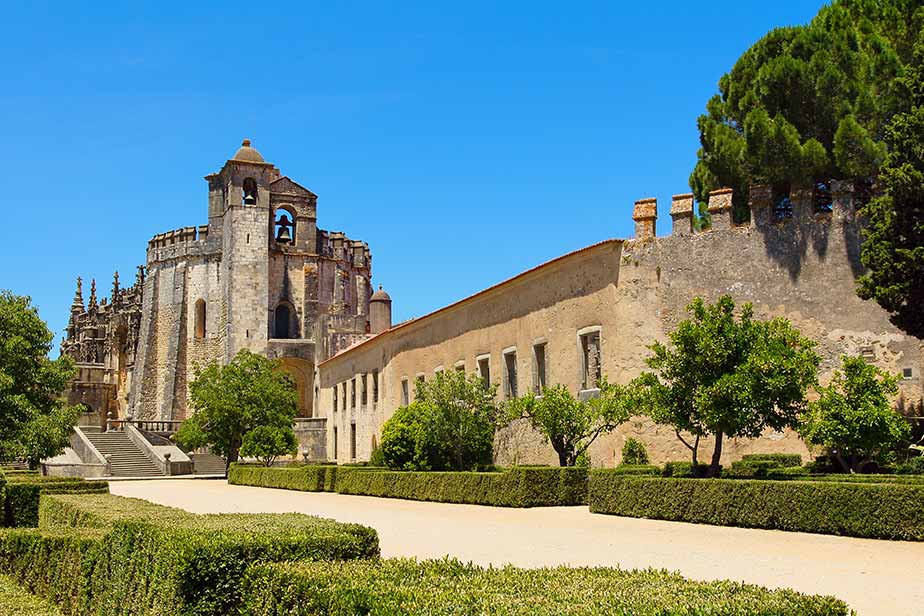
{"x": 893, "y": 245}
{"x": 230, "y": 401}
{"x": 726, "y": 376}
{"x": 808, "y": 102}
{"x": 853, "y": 418}
{"x": 569, "y": 424}
{"x": 449, "y": 426}
{"x": 34, "y": 421}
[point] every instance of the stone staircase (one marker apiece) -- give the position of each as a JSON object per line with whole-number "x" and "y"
{"x": 208, "y": 464}
{"x": 128, "y": 460}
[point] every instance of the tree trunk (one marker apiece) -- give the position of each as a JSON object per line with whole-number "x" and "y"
{"x": 563, "y": 458}
{"x": 840, "y": 460}
{"x": 716, "y": 456}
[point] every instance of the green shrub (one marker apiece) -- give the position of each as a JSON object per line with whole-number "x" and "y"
{"x": 159, "y": 560}
{"x": 66, "y": 567}
{"x": 266, "y": 443}
{"x": 685, "y": 469}
{"x": 641, "y": 469}
{"x": 517, "y": 487}
{"x": 449, "y": 587}
{"x": 784, "y": 459}
{"x": 634, "y": 453}
{"x": 21, "y": 501}
{"x": 16, "y": 601}
{"x": 877, "y": 511}
{"x": 912, "y": 466}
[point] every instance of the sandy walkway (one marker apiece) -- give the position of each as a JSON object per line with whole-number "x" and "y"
{"x": 874, "y": 577}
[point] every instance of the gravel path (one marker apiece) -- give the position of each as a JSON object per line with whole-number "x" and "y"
{"x": 874, "y": 577}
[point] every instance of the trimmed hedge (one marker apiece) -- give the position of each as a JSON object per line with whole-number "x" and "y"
{"x": 517, "y": 487}
{"x": 21, "y": 499}
{"x": 15, "y": 601}
{"x": 316, "y": 478}
{"x": 783, "y": 460}
{"x": 876, "y": 511}
{"x": 637, "y": 469}
{"x": 449, "y": 587}
{"x": 147, "y": 560}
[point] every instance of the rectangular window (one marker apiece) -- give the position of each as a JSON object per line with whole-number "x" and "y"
{"x": 591, "y": 370}
{"x": 484, "y": 369}
{"x": 335, "y": 442}
{"x": 539, "y": 367}
{"x": 510, "y": 374}
{"x": 460, "y": 366}
{"x": 353, "y": 441}
{"x": 365, "y": 385}
{"x": 336, "y": 389}
{"x": 375, "y": 387}
{"x": 344, "y": 396}
{"x": 353, "y": 393}
{"x": 405, "y": 397}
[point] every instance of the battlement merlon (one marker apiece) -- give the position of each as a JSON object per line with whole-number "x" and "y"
{"x": 763, "y": 202}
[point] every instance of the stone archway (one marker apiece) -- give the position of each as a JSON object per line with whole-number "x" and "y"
{"x": 302, "y": 372}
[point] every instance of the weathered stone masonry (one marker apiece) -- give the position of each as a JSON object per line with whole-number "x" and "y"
{"x": 800, "y": 264}
{"x": 259, "y": 275}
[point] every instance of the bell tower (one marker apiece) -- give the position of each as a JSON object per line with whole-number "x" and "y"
{"x": 239, "y": 202}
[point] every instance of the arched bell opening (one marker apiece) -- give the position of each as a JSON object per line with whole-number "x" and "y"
{"x": 284, "y": 226}
{"x": 249, "y": 191}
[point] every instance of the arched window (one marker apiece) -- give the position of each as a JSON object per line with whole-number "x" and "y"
{"x": 200, "y": 318}
{"x": 284, "y": 226}
{"x": 250, "y": 191}
{"x": 281, "y": 322}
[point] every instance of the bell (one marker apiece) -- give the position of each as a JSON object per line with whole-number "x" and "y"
{"x": 250, "y": 199}
{"x": 284, "y": 236}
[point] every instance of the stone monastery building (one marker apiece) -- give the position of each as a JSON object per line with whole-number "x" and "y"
{"x": 261, "y": 275}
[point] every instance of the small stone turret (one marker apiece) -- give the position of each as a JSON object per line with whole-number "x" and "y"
{"x": 379, "y": 312}
{"x": 720, "y": 209}
{"x": 682, "y": 214}
{"x": 645, "y": 216}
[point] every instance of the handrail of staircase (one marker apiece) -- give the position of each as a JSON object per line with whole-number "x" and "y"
{"x": 157, "y": 426}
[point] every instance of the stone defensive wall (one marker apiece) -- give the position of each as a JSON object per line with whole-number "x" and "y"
{"x": 182, "y": 242}
{"x": 797, "y": 258}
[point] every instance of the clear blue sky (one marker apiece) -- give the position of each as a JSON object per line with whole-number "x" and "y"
{"x": 464, "y": 142}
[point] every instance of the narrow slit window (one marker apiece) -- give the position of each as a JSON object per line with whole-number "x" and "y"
{"x": 510, "y": 374}
{"x": 539, "y": 381}
{"x": 591, "y": 360}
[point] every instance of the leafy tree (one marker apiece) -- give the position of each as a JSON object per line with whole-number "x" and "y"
{"x": 634, "y": 452}
{"x": 230, "y": 401}
{"x": 727, "y": 376}
{"x": 853, "y": 418}
{"x": 449, "y": 426}
{"x": 808, "y": 101}
{"x": 30, "y": 385}
{"x": 893, "y": 246}
{"x": 572, "y": 425}
{"x": 266, "y": 443}
{"x": 46, "y": 436}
